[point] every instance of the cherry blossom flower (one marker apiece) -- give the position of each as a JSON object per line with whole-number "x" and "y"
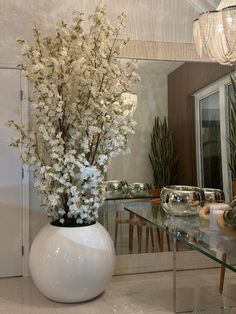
{"x": 80, "y": 118}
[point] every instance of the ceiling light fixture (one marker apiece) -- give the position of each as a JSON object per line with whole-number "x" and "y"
{"x": 215, "y": 33}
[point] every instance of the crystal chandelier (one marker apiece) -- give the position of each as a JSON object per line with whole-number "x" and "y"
{"x": 215, "y": 33}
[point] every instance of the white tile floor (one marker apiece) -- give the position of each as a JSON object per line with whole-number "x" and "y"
{"x": 143, "y": 293}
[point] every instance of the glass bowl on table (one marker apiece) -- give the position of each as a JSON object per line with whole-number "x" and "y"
{"x": 139, "y": 189}
{"x": 115, "y": 189}
{"x": 214, "y": 195}
{"x": 182, "y": 200}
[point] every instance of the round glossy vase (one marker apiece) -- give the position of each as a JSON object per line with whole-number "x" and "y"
{"x": 72, "y": 264}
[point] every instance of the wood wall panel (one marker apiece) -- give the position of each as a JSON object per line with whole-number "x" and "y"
{"x": 182, "y": 83}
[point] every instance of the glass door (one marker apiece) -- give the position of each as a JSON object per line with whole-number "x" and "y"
{"x": 210, "y": 141}
{"x": 212, "y": 149}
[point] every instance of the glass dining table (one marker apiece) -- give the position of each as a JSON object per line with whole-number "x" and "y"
{"x": 202, "y": 235}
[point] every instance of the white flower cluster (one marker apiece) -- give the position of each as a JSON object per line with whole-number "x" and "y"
{"x": 80, "y": 116}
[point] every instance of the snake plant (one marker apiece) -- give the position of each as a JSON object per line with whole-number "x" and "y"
{"x": 162, "y": 156}
{"x": 232, "y": 129}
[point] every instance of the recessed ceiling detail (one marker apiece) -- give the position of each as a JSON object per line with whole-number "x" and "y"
{"x": 204, "y": 5}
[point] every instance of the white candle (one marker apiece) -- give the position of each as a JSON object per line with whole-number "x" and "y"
{"x": 215, "y": 210}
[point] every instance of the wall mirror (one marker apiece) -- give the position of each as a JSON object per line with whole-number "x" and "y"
{"x": 193, "y": 97}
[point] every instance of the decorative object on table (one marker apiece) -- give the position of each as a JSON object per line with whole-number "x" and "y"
{"x": 214, "y": 32}
{"x": 227, "y": 229}
{"x": 227, "y": 220}
{"x": 213, "y": 195}
{"x": 232, "y": 134}
{"x": 206, "y": 211}
{"x": 139, "y": 189}
{"x": 116, "y": 188}
{"x": 230, "y": 215}
{"x": 215, "y": 210}
{"x": 162, "y": 156}
{"x": 80, "y": 121}
{"x": 180, "y": 200}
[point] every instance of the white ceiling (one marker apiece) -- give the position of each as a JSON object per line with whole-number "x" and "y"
{"x": 152, "y": 20}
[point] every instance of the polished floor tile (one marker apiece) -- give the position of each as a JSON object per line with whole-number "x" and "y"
{"x": 141, "y": 293}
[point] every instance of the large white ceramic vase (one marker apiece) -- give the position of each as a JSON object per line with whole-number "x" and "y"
{"x": 72, "y": 264}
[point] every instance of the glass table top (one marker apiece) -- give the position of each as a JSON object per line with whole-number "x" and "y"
{"x": 199, "y": 234}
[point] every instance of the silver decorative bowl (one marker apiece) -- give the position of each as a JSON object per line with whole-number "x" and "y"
{"x": 139, "y": 189}
{"x": 214, "y": 195}
{"x": 229, "y": 215}
{"x": 115, "y": 188}
{"x": 180, "y": 200}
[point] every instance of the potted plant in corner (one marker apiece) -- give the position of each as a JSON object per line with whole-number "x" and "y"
{"x": 162, "y": 156}
{"x": 232, "y": 134}
{"x": 80, "y": 121}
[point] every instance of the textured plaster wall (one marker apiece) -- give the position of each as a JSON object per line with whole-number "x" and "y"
{"x": 152, "y": 101}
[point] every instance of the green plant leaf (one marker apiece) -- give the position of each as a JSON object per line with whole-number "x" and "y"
{"x": 162, "y": 157}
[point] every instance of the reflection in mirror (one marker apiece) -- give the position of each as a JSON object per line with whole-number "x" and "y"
{"x": 186, "y": 94}
{"x": 131, "y": 234}
{"x": 152, "y": 95}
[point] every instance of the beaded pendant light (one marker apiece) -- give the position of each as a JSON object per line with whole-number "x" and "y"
{"x": 215, "y": 33}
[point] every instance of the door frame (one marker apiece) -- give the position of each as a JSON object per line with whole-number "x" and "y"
{"x": 221, "y": 87}
{"x": 25, "y": 171}
{"x": 25, "y": 182}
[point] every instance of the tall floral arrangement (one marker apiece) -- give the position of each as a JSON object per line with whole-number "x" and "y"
{"x": 80, "y": 116}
